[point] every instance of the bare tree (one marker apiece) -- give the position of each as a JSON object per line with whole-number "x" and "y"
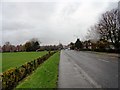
{"x": 93, "y": 34}
{"x": 7, "y": 43}
{"x": 108, "y": 27}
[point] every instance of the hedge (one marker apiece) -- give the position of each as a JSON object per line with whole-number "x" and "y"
{"x": 10, "y": 78}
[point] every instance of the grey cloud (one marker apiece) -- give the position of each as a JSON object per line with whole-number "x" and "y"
{"x": 50, "y": 22}
{"x": 15, "y": 26}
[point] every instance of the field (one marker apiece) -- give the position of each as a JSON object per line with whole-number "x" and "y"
{"x": 16, "y": 59}
{"x": 45, "y": 76}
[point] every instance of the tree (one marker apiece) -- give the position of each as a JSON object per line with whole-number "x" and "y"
{"x": 27, "y": 46}
{"x": 6, "y": 47}
{"x": 102, "y": 44}
{"x": 7, "y": 43}
{"x": 60, "y": 46}
{"x": 93, "y": 34}
{"x": 72, "y": 46}
{"x": 109, "y": 29}
{"x": 35, "y": 45}
{"x": 78, "y": 44}
{"x": 32, "y": 45}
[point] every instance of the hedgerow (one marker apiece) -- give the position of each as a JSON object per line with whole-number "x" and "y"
{"x": 10, "y": 78}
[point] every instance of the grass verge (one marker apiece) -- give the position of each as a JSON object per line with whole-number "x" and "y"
{"x": 45, "y": 76}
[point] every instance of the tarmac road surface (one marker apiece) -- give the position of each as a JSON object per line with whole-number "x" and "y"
{"x": 81, "y": 69}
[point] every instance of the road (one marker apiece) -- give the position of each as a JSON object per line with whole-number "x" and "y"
{"x": 81, "y": 69}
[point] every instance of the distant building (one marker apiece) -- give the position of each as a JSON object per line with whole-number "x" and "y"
{"x": 88, "y": 45}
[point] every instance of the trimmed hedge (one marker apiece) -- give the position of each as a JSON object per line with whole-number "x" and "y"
{"x": 10, "y": 78}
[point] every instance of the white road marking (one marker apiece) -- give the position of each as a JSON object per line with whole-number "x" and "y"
{"x": 87, "y": 77}
{"x": 103, "y": 60}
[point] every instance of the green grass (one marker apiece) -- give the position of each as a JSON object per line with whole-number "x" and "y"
{"x": 16, "y": 59}
{"x": 45, "y": 76}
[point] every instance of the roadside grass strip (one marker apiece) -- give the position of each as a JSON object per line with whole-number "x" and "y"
{"x": 45, "y": 76}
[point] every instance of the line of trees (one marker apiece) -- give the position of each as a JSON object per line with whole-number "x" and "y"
{"x": 107, "y": 30}
{"x": 31, "y": 45}
{"x": 103, "y": 36}
{"x": 91, "y": 45}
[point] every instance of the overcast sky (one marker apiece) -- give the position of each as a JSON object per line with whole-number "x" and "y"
{"x": 50, "y": 21}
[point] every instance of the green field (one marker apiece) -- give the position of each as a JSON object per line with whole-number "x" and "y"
{"x": 45, "y": 76}
{"x": 15, "y": 59}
